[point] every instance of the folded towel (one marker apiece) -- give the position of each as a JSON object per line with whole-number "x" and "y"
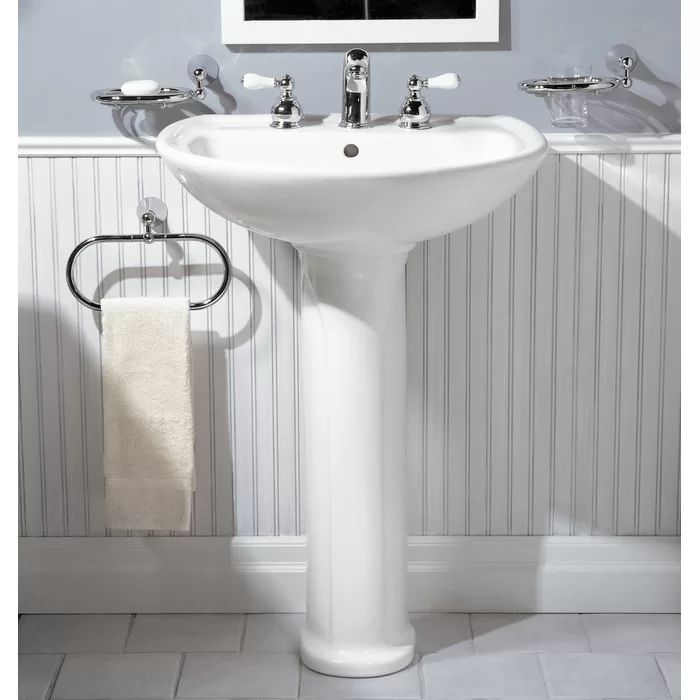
{"x": 148, "y": 418}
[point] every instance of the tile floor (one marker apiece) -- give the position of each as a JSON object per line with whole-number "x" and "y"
{"x": 459, "y": 657}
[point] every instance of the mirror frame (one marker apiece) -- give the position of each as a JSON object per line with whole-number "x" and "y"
{"x": 236, "y": 31}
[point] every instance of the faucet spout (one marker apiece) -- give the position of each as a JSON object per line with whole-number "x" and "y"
{"x": 355, "y": 112}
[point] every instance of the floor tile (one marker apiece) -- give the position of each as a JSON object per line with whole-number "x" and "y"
{"x": 239, "y": 676}
{"x": 670, "y": 664}
{"x": 404, "y": 684}
{"x": 504, "y": 633}
{"x": 72, "y": 634}
{"x": 603, "y": 675}
{"x": 455, "y": 676}
{"x": 36, "y": 675}
{"x": 629, "y": 632}
{"x": 436, "y": 631}
{"x": 143, "y": 676}
{"x": 183, "y": 633}
{"x": 271, "y": 633}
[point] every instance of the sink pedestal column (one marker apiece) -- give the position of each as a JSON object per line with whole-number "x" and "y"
{"x": 353, "y": 392}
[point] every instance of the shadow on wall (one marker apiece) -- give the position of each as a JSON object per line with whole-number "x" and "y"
{"x": 564, "y": 418}
{"x": 146, "y": 122}
{"x": 61, "y": 479}
{"x": 628, "y": 111}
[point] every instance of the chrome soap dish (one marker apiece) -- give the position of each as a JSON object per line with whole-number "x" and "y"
{"x": 567, "y": 95}
{"x": 203, "y": 70}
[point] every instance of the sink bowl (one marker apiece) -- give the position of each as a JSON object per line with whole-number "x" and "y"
{"x": 402, "y": 186}
{"x": 354, "y": 203}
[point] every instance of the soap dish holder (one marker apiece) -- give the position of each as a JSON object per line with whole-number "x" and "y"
{"x": 203, "y": 70}
{"x": 567, "y": 96}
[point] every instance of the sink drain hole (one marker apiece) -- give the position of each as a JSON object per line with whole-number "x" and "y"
{"x": 351, "y": 150}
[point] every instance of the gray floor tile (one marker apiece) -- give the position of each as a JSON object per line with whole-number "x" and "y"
{"x": 404, "y": 684}
{"x": 272, "y": 633}
{"x": 436, "y": 631}
{"x": 36, "y": 675}
{"x": 142, "y": 676}
{"x": 240, "y": 675}
{"x": 184, "y": 633}
{"x": 505, "y": 633}
{"x": 632, "y": 632}
{"x": 457, "y": 676}
{"x": 603, "y": 675}
{"x": 670, "y": 663}
{"x": 72, "y": 634}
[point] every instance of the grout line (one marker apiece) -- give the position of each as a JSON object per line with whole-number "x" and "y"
{"x": 661, "y": 671}
{"x": 421, "y": 677}
{"x": 544, "y": 675}
{"x": 585, "y": 632}
{"x": 244, "y": 630}
{"x": 130, "y": 626}
{"x": 59, "y": 668}
{"x": 179, "y": 674}
{"x": 301, "y": 669}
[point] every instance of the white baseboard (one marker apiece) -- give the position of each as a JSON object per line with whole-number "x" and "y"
{"x": 267, "y": 574}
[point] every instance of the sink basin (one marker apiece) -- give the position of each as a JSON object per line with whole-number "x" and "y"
{"x": 402, "y": 187}
{"x": 354, "y": 203}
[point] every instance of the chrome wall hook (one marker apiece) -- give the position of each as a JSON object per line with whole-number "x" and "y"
{"x": 622, "y": 60}
{"x": 204, "y": 70}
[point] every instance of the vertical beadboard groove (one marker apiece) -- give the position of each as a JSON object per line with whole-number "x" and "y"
{"x": 502, "y": 480}
{"x": 467, "y": 392}
{"x": 489, "y": 376}
{"x": 596, "y": 362}
{"x": 641, "y": 326}
{"x": 253, "y": 392}
{"x": 77, "y": 237}
{"x": 22, "y": 504}
{"x": 662, "y": 351}
{"x": 273, "y": 388}
{"x": 510, "y": 374}
{"x": 555, "y": 344}
{"x": 57, "y": 279}
{"x": 576, "y": 328}
{"x": 37, "y": 343}
{"x": 532, "y": 325}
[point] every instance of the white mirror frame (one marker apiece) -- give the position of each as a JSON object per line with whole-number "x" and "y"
{"x": 236, "y": 31}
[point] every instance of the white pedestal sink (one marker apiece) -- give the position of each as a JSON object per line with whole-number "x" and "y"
{"x": 354, "y": 220}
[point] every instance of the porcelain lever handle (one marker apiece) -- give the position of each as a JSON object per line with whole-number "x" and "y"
{"x": 253, "y": 81}
{"x": 446, "y": 81}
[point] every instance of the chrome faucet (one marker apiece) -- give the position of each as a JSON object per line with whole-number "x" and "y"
{"x": 355, "y": 114}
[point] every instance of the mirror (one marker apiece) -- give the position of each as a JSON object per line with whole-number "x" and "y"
{"x": 358, "y": 21}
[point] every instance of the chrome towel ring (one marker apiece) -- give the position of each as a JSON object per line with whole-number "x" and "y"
{"x": 151, "y": 211}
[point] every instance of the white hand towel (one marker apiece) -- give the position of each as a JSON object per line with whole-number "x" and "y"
{"x": 148, "y": 418}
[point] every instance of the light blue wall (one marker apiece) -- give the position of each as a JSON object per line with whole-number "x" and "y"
{"x": 69, "y": 48}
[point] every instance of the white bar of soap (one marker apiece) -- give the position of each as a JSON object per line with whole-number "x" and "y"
{"x": 140, "y": 88}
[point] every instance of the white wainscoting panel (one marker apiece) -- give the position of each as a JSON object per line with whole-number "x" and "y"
{"x": 544, "y": 375}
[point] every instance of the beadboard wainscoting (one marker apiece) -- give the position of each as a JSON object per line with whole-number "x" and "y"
{"x": 544, "y": 367}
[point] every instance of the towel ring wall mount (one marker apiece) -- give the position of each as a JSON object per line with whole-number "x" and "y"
{"x": 152, "y": 213}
